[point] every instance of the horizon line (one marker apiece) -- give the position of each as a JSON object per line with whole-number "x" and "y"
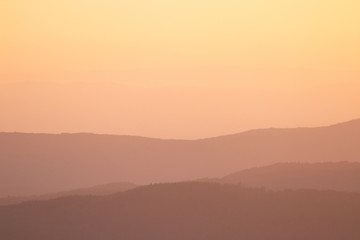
{"x": 177, "y": 139}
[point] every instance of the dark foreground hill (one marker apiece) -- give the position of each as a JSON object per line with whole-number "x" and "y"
{"x": 188, "y": 211}
{"x": 338, "y": 176}
{"x": 99, "y": 190}
{"x": 32, "y": 164}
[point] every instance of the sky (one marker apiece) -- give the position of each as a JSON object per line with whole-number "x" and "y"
{"x": 177, "y": 69}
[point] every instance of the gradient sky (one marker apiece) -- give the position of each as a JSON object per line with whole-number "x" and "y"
{"x": 177, "y": 69}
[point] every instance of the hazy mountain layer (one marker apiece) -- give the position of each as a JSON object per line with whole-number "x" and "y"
{"x": 99, "y": 190}
{"x": 339, "y": 176}
{"x": 188, "y": 211}
{"x": 32, "y": 164}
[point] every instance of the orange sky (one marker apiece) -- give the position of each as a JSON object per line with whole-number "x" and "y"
{"x": 177, "y": 69}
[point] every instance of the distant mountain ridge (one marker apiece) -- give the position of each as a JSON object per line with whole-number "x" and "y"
{"x": 330, "y": 176}
{"x": 32, "y": 164}
{"x": 188, "y": 211}
{"x": 335, "y": 176}
{"x": 99, "y": 190}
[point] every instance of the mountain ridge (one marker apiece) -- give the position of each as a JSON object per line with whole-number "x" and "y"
{"x": 332, "y": 176}
{"x": 98, "y": 190}
{"x": 355, "y": 121}
{"x": 185, "y": 211}
{"x": 33, "y": 164}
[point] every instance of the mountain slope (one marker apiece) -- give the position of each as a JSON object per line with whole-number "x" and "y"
{"x": 100, "y": 190}
{"x": 185, "y": 211}
{"x": 32, "y": 164}
{"x": 339, "y": 176}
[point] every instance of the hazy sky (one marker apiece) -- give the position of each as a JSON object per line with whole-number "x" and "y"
{"x": 177, "y": 69}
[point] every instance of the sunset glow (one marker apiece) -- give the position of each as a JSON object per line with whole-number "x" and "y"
{"x": 177, "y": 69}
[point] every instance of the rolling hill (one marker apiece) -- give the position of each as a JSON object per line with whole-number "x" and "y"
{"x": 337, "y": 176}
{"x": 187, "y": 211}
{"x": 100, "y": 190}
{"x": 32, "y": 164}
